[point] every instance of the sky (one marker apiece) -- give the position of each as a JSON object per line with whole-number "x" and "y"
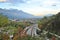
{"x": 34, "y": 7}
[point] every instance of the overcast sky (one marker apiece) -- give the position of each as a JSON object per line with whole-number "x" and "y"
{"x": 35, "y": 7}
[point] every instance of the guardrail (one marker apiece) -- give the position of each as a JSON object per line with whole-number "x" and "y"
{"x": 55, "y": 35}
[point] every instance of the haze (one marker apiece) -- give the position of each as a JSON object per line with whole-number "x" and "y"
{"x": 34, "y": 7}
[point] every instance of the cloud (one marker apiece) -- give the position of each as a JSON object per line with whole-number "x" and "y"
{"x": 42, "y": 13}
{"x": 16, "y": 1}
{"x": 50, "y": 2}
{"x": 35, "y": 7}
{"x": 3, "y": 0}
{"x": 13, "y": 1}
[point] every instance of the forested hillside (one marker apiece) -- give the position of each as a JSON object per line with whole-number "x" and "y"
{"x": 3, "y": 20}
{"x": 51, "y": 23}
{"x": 47, "y": 23}
{"x": 54, "y": 25}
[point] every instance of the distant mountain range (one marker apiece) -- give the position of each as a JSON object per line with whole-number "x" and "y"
{"x": 17, "y": 14}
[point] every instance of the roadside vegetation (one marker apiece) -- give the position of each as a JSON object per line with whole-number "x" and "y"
{"x": 9, "y": 27}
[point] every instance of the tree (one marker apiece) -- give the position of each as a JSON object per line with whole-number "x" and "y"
{"x": 5, "y": 36}
{"x": 3, "y": 20}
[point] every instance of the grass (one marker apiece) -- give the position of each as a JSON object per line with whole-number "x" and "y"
{"x": 9, "y": 29}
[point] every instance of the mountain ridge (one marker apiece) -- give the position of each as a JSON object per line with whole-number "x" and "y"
{"x": 15, "y": 14}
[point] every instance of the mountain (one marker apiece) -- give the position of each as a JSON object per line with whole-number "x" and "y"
{"x": 56, "y": 23}
{"x": 16, "y": 14}
{"x": 53, "y": 24}
{"x": 49, "y": 14}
